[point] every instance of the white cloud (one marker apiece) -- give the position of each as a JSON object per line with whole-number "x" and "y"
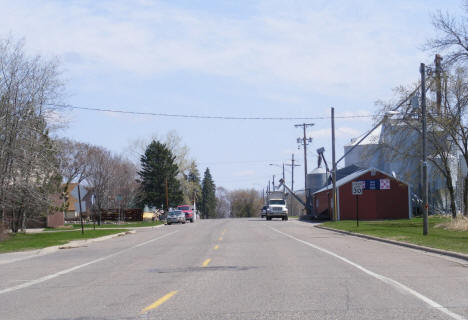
{"x": 315, "y": 47}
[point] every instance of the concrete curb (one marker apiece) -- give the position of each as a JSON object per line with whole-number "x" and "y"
{"x": 74, "y": 230}
{"x": 24, "y": 255}
{"x": 82, "y": 243}
{"x": 399, "y": 243}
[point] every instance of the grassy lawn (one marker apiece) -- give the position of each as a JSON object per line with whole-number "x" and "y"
{"x": 21, "y": 242}
{"x": 110, "y": 225}
{"x": 409, "y": 231}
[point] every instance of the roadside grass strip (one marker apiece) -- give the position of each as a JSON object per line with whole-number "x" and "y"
{"x": 206, "y": 262}
{"x": 410, "y": 231}
{"x": 31, "y": 241}
{"x": 159, "y": 302}
{"x": 397, "y": 285}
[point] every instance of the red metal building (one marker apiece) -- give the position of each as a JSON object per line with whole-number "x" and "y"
{"x": 384, "y": 197}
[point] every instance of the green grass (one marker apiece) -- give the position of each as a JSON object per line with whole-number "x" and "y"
{"x": 106, "y": 226}
{"x": 21, "y": 241}
{"x": 409, "y": 230}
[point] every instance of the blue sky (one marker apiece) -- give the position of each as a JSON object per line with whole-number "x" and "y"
{"x": 227, "y": 58}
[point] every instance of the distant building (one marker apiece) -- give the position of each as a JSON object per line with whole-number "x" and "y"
{"x": 382, "y": 149}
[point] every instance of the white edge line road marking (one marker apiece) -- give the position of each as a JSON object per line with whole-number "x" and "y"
{"x": 60, "y": 273}
{"x": 385, "y": 279}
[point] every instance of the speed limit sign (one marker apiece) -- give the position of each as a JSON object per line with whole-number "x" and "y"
{"x": 357, "y": 188}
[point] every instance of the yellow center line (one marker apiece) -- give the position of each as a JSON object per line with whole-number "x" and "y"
{"x": 206, "y": 262}
{"x": 220, "y": 238}
{"x": 159, "y": 302}
{"x": 216, "y": 247}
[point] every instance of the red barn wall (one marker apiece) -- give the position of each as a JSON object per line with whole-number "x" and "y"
{"x": 324, "y": 201}
{"x": 375, "y": 204}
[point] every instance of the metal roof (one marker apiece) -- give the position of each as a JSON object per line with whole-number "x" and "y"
{"x": 355, "y": 175}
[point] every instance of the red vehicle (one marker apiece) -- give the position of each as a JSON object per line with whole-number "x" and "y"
{"x": 188, "y": 210}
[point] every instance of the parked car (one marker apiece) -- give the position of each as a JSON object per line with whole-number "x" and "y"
{"x": 176, "y": 216}
{"x": 188, "y": 210}
{"x": 263, "y": 211}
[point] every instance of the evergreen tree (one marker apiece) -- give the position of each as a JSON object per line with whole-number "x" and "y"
{"x": 208, "y": 203}
{"x": 157, "y": 166}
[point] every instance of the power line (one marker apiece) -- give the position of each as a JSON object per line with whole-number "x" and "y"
{"x": 66, "y": 106}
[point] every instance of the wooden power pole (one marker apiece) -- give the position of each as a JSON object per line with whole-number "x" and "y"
{"x": 304, "y": 143}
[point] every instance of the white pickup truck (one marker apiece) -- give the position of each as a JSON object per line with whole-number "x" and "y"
{"x": 276, "y": 206}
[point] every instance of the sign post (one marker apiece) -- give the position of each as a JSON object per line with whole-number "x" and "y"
{"x": 81, "y": 213}
{"x": 357, "y": 211}
{"x": 357, "y": 191}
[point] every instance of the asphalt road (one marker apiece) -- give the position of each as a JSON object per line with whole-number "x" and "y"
{"x": 235, "y": 269}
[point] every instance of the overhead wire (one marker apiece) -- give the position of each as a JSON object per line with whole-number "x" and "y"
{"x": 195, "y": 116}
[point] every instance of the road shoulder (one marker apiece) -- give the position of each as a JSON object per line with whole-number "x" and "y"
{"x": 399, "y": 243}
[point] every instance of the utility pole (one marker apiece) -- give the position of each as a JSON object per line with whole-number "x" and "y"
{"x": 273, "y": 183}
{"x": 292, "y": 172}
{"x": 335, "y": 215}
{"x": 283, "y": 176}
{"x": 438, "y": 70}
{"x": 305, "y": 141}
{"x": 167, "y": 196}
{"x": 422, "y": 69}
{"x": 292, "y": 165}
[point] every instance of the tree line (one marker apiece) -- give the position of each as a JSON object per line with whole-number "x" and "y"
{"x": 240, "y": 203}
{"x": 36, "y": 166}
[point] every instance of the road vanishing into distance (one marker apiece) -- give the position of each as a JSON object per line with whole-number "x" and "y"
{"x": 235, "y": 269}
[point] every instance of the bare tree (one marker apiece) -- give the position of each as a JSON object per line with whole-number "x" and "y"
{"x": 454, "y": 121}
{"x": 111, "y": 179}
{"x": 223, "y": 203}
{"x": 73, "y": 156}
{"x": 123, "y": 187}
{"x": 101, "y": 171}
{"x": 446, "y": 136}
{"x": 245, "y": 203}
{"x": 452, "y": 39}
{"x": 73, "y": 163}
{"x": 28, "y": 167}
